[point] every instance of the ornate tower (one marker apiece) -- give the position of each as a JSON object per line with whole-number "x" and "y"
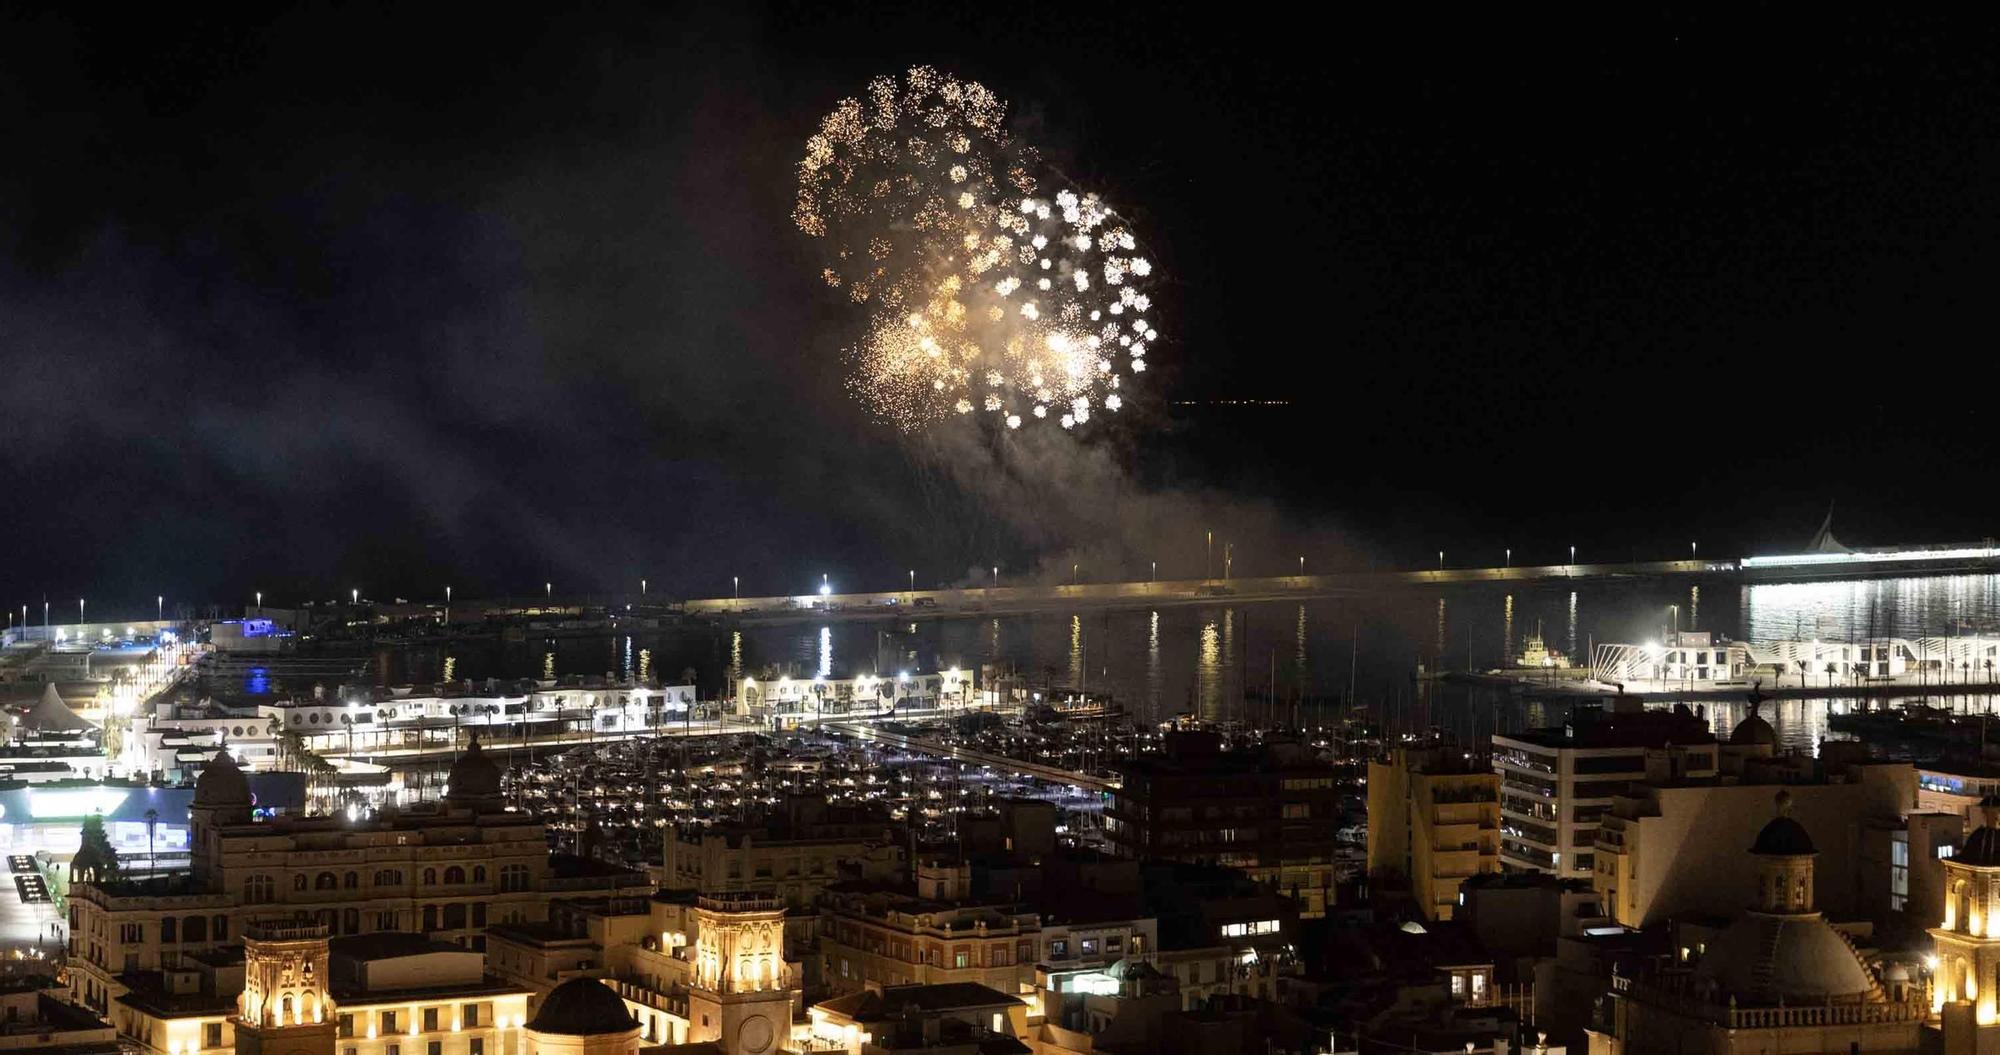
{"x": 1785, "y": 856}
{"x": 1968, "y": 940}
{"x": 285, "y": 1009}
{"x": 221, "y": 797}
{"x": 741, "y": 994}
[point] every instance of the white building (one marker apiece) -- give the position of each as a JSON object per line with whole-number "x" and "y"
{"x": 787, "y": 697}
{"x": 1556, "y": 784}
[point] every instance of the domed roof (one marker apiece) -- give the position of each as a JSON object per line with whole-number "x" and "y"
{"x": 1753, "y": 731}
{"x": 582, "y": 1007}
{"x": 221, "y": 783}
{"x": 88, "y": 860}
{"x": 1765, "y": 959}
{"x": 1783, "y": 837}
{"x": 473, "y": 776}
{"x": 1982, "y": 847}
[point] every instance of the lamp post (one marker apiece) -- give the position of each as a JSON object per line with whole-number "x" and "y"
{"x": 1155, "y": 573}
{"x": 79, "y": 617}
{"x": 996, "y": 575}
{"x": 160, "y": 608}
{"x": 260, "y": 602}
{"x": 736, "y": 586}
{"x": 913, "y": 580}
{"x": 1570, "y": 568}
{"x": 1302, "y": 567}
{"x": 1510, "y": 556}
{"x": 354, "y": 595}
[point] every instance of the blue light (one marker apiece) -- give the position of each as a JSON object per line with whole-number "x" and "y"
{"x": 257, "y": 682}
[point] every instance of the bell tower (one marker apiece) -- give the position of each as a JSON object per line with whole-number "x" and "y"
{"x": 284, "y": 1009}
{"x": 1966, "y": 964}
{"x": 740, "y": 995}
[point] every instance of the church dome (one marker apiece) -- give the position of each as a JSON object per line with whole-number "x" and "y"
{"x": 221, "y": 783}
{"x": 1753, "y": 731}
{"x": 1783, "y": 836}
{"x": 1766, "y": 959}
{"x": 473, "y": 776}
{"x": 582, "y": 1007}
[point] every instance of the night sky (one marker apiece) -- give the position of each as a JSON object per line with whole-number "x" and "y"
{"x": 391, "y": 298}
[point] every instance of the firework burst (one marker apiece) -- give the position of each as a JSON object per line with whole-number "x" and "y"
{"x": 989, "y": 296}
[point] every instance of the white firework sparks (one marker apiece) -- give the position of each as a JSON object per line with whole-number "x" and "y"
{"x": 931, "y": 212}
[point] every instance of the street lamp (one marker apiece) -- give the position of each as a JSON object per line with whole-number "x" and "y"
{"x": 260, "y": 602}
{"x": 1692, "y": 550}
{"x": 1510, "y": 556}
{"x": 159, "y": 609}
{"x": 996, "y": 575}
{"x": 1440, "y": 560}
{"x": 736, "y": 586}
{"x": 79, "y": 617}
{"x": 642, "y": 587}
{"x": 354, "y": 595}
{"x": 913, "y": 580}
{"x": 1155, "y": 573}
{"x": 1572, "y": 554}
{"x": 1302, "y": 567}
{"x": 548, "y": 591}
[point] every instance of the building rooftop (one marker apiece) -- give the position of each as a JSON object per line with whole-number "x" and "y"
{"x": 891, "y": 1002}
{"x": 1594, "y": 728}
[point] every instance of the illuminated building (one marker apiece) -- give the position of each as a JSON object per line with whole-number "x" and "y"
{"x": 938, "y": 930}
{"x": 1965, "y": 970}
{"x": 289, "y": 989}
{"x": 1433, "y": 822}
{"x": 786, "y": 700}
{"x": 1268, "y": 811}
{"x": 680, "y": 968}
{"x": 1556, "y": 783}
{"x": 1779, "y": 977}
{"x": 447, "y": 871}
{"x": 954, "y": 1016}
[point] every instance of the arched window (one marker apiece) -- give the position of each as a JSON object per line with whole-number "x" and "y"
{"x": 454, "y": 874}
{"x": 285, "y": 1014}
{"x": 168, "y": 927}
{"x": 326, "y": 881}
{"x": 430, "y": 877}
{"x": 350, "y": 921}
{"x": 514, "y": 877}
{"x": 479, "y": 873}
{"x": 388, "y": 877}
{"x": 194, "y": 928}
{"x": 258, "y": 889}
{"x": 454, "y": 917}
{"x": 352, "y": 881}
{"x": 430, "y": 918}
{"x": 299, "y": 881}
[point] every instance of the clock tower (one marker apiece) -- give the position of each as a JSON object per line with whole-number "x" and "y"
{"x": 741, "y": 995}
{"x": 284, "y": 1009}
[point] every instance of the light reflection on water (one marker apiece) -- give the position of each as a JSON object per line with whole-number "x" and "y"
{"x": 1159, "y": 663}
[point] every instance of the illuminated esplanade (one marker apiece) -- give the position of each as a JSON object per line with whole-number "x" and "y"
{"x": 997, "y": 596}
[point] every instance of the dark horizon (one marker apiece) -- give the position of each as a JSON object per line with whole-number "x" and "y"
{"x": 367, "y": 298}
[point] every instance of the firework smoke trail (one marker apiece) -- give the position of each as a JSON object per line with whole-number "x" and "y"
{"x": 988, "y": 297}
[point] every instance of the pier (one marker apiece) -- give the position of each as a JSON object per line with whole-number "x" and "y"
{"x": 998, "y": 599}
